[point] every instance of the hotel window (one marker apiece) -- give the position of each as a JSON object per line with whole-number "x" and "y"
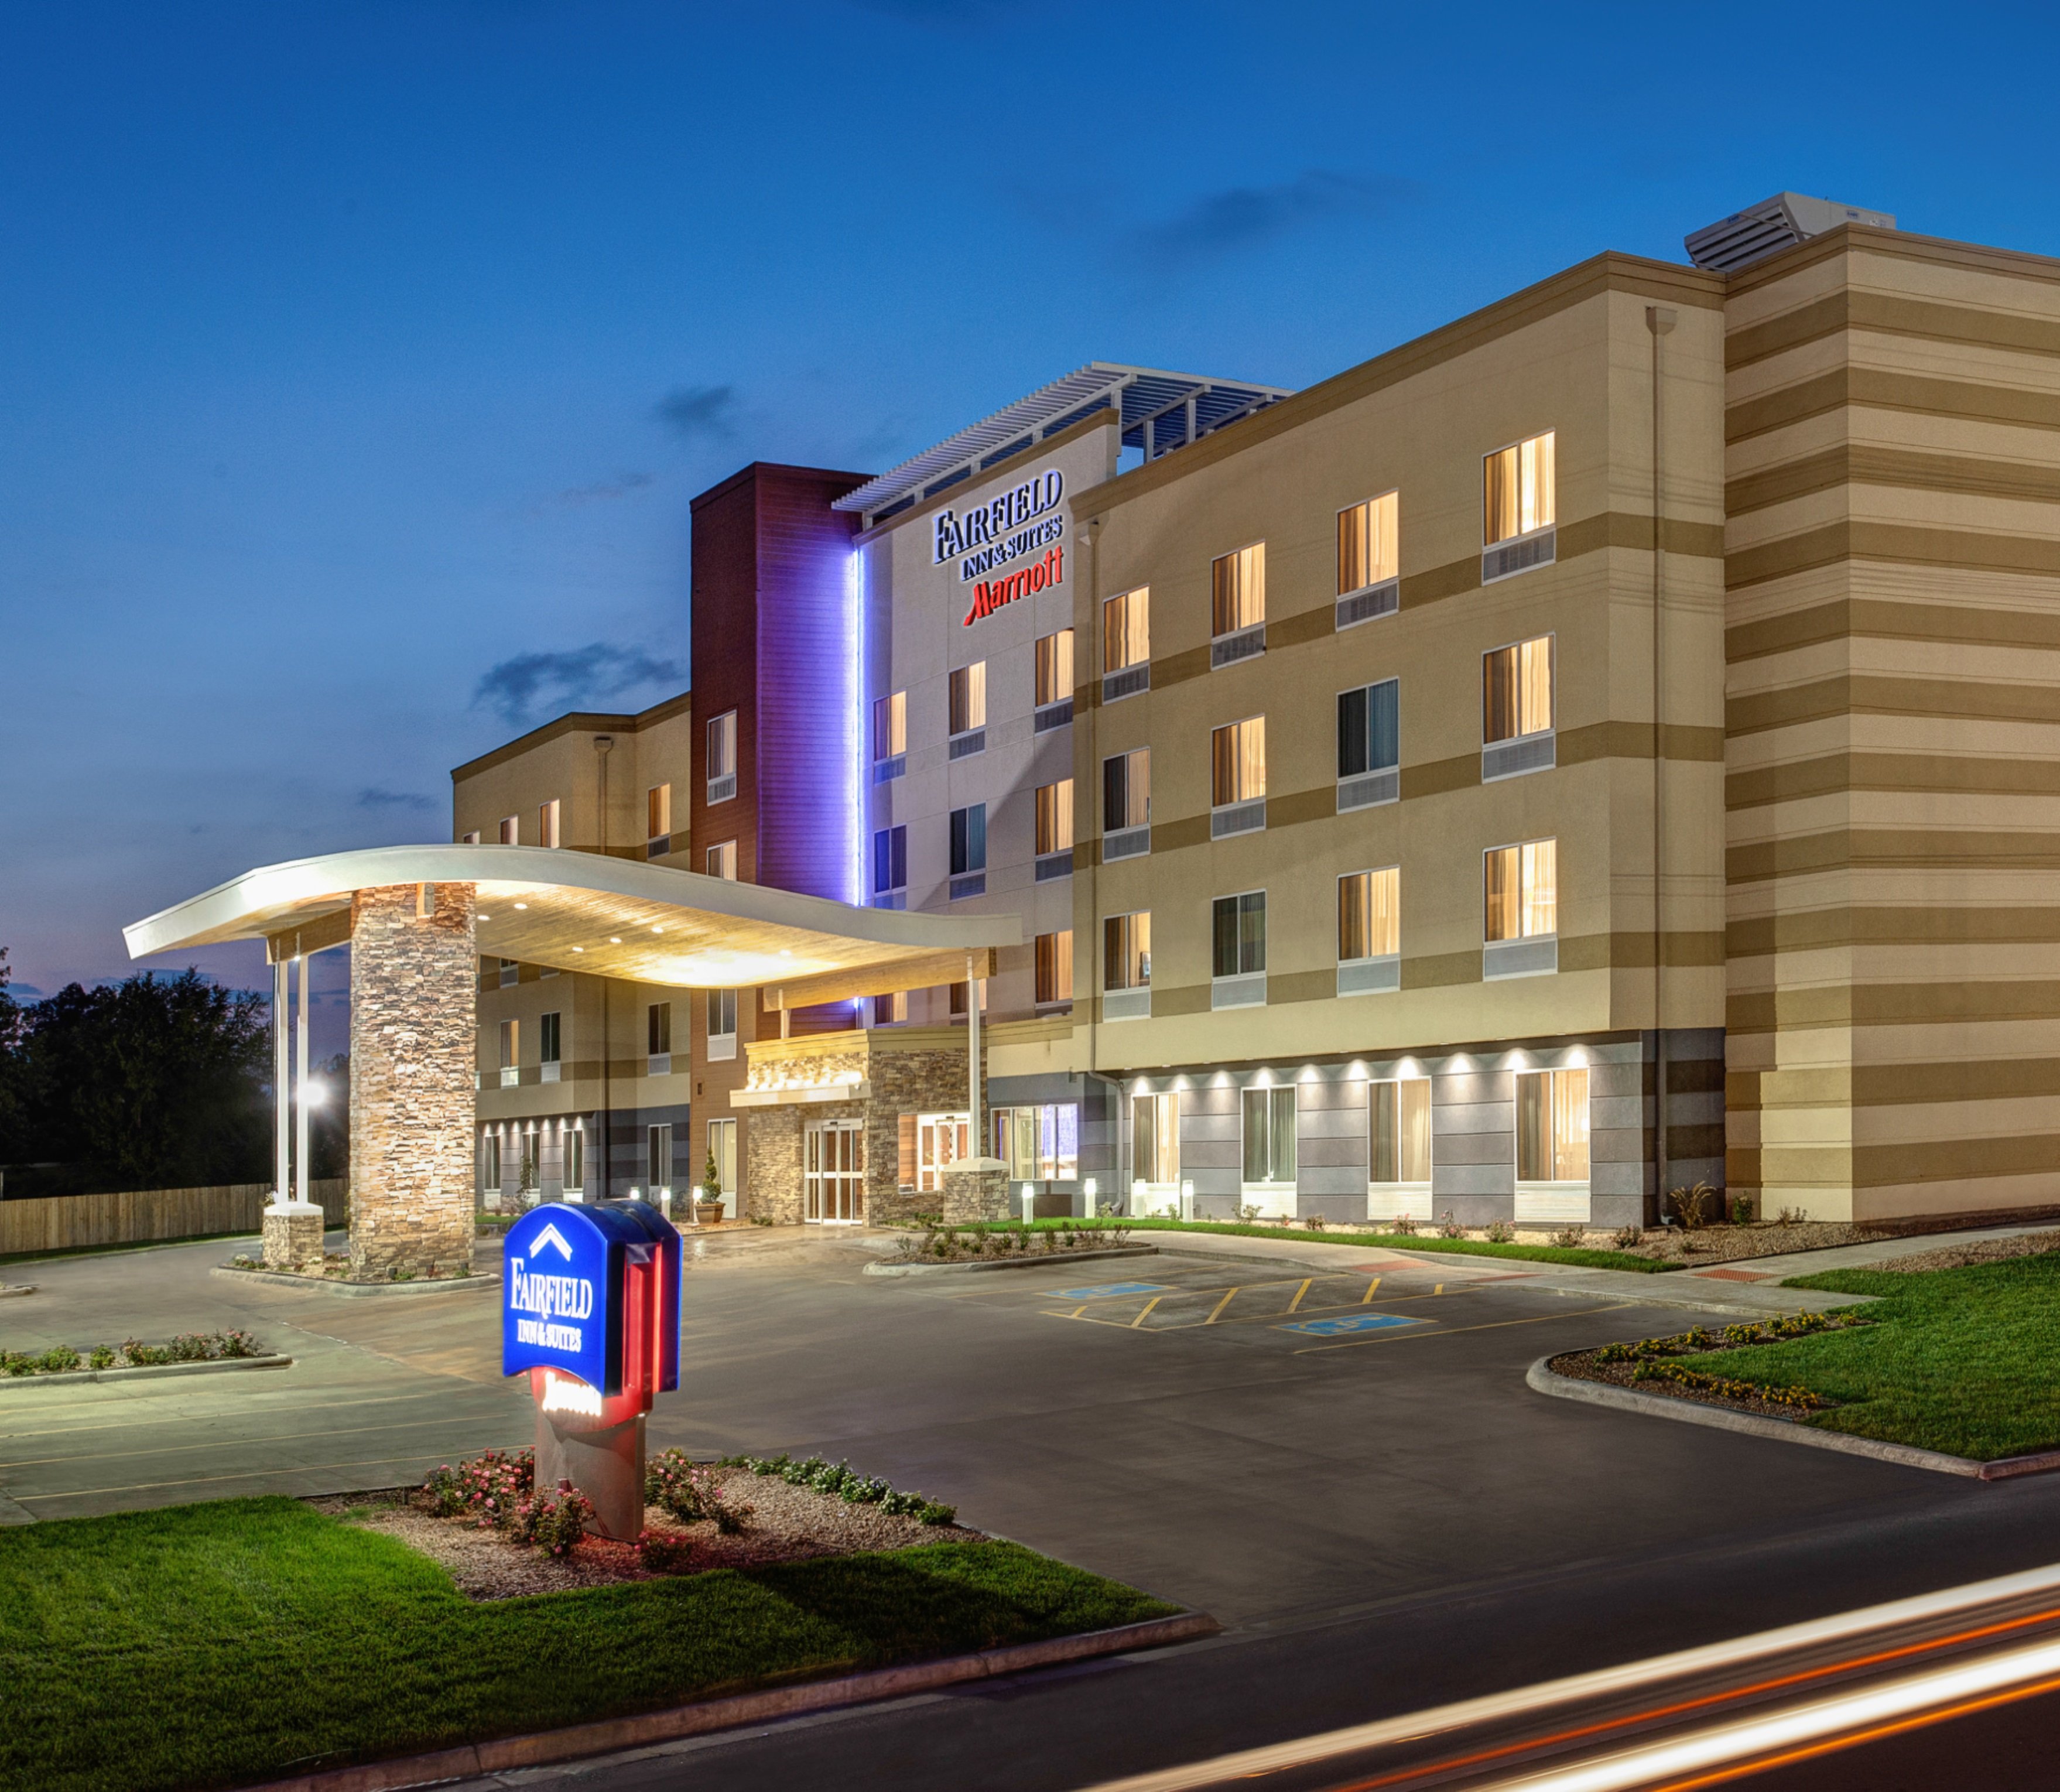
{"x": 1269, "y": 1136}
{"x": 1126, "y": 629}
{"x": 969, "y": 698}
{"x": 547, "y": 823}
{"x": 511, "y": 1053}
{"x": 722, "y": 1147}
{"x": 1126, "y": 804}
{"x": 1055, "y": 829}
{"x": 658, "y": 820}
{"x": 1127, "y": 951}
{"x": 721, "y": 1024}
{"x": 658, "y": 1036}
{"x": 572, "y": 1142}
{"x": 509, "y": 973}
{"x": 1055, "y": 967}
{"x": 549, "y": 1037}
{"x": 1237, "y": 777}
{"x": 1367, "y": 550}
{"x": 1399, "y": 1130}
{"x": 1516, "y": 709}
{"x": 1238, "y": 589}
{"x": 1517, "y": 508}
{"x": 890, "y": 859}
{"x": 471, "y": 839}
{"x": 1552, "y": 1126}
{"x": 968, "y": 850}
{"x": 722, "y": 860}
{"x": 1369, "y": 745}
{"x": 722, "y": 758}
{"x": 1154, "y": 1140}
{"x": 1369, "y": 924}
{"x": 511, "y": 830}
{"x": 1039, "y": 1144}
{"x": 1238, "y": 935}
{"x": 956, "y": 999}
{"x": 890, "y": 736}
{"x": 658, "y": 1159}
{"x": 489, "y": 1163}
{"x": 1055, "y": 668}
{"x": 1522, "y": 891}
{"x": 890, "y": 1011}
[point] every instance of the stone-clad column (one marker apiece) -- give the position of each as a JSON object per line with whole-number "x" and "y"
{"x": 414, "y": 978}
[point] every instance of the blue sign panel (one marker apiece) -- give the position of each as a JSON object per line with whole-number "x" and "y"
{"x": 580, "y": 1283}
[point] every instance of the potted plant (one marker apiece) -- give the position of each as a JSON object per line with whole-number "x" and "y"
{"x": 708, "y": 1204}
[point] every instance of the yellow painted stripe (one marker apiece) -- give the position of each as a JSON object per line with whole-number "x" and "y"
{"x": 1449, "y": 1331}
{"x": 1372, "y": 1282}
{"x": 1229, "y": 1295}
{"x": 1300, "y": 1291}
{"x": 1148, "y": 1305}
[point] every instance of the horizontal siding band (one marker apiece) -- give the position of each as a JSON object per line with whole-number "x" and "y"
{"x": 1894, "y": 848}
{"x": 1892, "y": 1004}
{"x": 1881, "y": 694}
{"x": 1837, "y": 774}
{"x": 1892, "y": 314}
{"x": 1903, "y": 543}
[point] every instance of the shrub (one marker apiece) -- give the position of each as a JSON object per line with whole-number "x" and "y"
{"x": 1741, "y": 1211}
{"x": 841, "y": 1479}
{"x": 664, "y": 1552}
{"x": 677, "y": 1484}
{"x": 59, "y": 1358}
{"x": 1450, "y": 1228}
{"x": 101, "y": 1356}
{"x": 1500, "y": 1231}
{"x": 1725, "y": 1387}
{"x": 487, "y": 1489}
{"x": 1691, "y": 1206}
{"x": 554, "y": 1520}
{"x": 1315, "y": 1221}
{"x": 1402, "y": 1226}
{"x": 1571, "y": 1238}
{"x": 1628, "y": 1238}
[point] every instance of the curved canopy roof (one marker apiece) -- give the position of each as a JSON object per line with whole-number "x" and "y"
{"x": 606, "y": 916}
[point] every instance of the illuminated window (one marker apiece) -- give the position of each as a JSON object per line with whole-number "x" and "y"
{"x": 1126, "y": 629}
{"x": 1518, "y": 490}
{"x": 1055, "y": 816}
{"x": 1367, "y": 550}
{"x": 658, "y": 1029}
{"x": 489, "y": 1162}
{"x": 1054, "y": 967}
{"x": 1155, "y": 1139}
{"x": 890, "y": 725}
{"x": 511, "y": 830}
{"x": 1369, "y": 914}
{"x": 657, "y": 812}
{"x": 547, "y": 823}
{"x": 1399, "y": 1130}
{"x": 1237, "y": 761}
{"x": 1516, "y": 690}
{"x": 1269, "y": 1136}
{"x": 722, "y": 860}
{"x": 941, "y": 1139}
{"x": 722, "y": 1147}
{"x": 889, "y": 1009}
{"x": 1055, "y": 668}
{"x": 969, "y": 698}
{"x": 1238, "y": 934}
{"x": 511, "y": 1043}
{"x": 1041, "y": 1144}
{"x": 1522, "y": 891}
{"x": 574, "y": 1144}
{"x": 722, "y": 758}
{"x": 1126, "y": 958}
{"x": 1126, "y": 790}
{"x": 1552, "y": 1126}
{"x": 1370, "y": 728}
{"x": 471, "y": 839}
{"x": 955, "y": 996}
{"x": 1238, "y": 585}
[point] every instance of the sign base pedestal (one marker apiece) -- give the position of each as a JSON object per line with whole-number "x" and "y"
{"x": 607, "y": 1466}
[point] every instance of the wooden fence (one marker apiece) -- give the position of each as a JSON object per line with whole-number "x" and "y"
{"x": 69, "y": 1221}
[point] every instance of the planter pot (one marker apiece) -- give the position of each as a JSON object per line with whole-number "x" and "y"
{"x": 706, "y": 1214}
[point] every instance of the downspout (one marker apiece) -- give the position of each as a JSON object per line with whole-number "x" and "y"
{"x": 1659, "y": 320}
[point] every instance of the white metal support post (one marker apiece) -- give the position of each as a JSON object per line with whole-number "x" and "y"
{"x": 300, "y": 1119}
{"x": 975, "y": 1144}
{"x": 280, "y": 1089}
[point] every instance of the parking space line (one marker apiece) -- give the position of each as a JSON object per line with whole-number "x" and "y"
{"x": 1229, "y": 1295}
{"x": 1372, "y": 1284}
{"x": 1148, "y": 1305}
{"x": 1300, "y": 1291}
{"x": 1453, "y": 1331}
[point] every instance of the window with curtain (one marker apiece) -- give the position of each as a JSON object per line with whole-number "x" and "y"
{"x": 1552, "y": 1126}
{"x": 489, "y": 1161}
{"x": 969, "y": 840}
{"x": 1055, "y": 667}
{"x": 1126, "y": 629}
{"x": 574, "y": 1144}
{"x": 1055, "y": 816}
{"x": 1239, "y": 934}
{"x": 1054, "y": 956}
{"x": 1516, "y": 690}
{"x": 721, "y": 1012}
{"x": 1269, "y": 1135}
{"x": 1369, "y": 914}
{"x": 1238, "y": 589}
{"x": 722, "y": 745}
{"x": 511, "y": 831}
{"x": 1155, "y": 1138}
{"x": 969, "y": 698}
{"x": 1127, "y": 951}
{"x": 1367, "y": 551}
{"x": 1126, "y": 790}
{"x": 722, "y": 860}
{"x": 722, "y": 1147}
{"x": 511, "y": 1043}
{"x": 1522, "y": 891}
{"x": 890, "y": 725}
{"x": 1237, "y": 761}
{"x": 889, "y": 1011}
{"x": 547, "y": 823}
{"x": 1370, "y": 727}
{"x": 1518, "y": 489}
{"x": 658, "y": 812}
{"x": 1399, "y": 1130}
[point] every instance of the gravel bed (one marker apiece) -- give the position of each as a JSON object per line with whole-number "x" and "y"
{"x": 786, "y": 1523}
{"x": 1982, "y": 1251}
{"x": 1581, "y": 1365}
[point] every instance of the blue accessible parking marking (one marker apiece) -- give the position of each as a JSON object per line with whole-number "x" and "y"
{"x": 1109, "y": 1288}
{"x": 1350, "y": 1321}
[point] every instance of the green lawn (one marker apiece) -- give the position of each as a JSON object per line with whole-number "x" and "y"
{"x": 1966, "y": 1361}
{"x": 204, "y": 1646}
{"x": 1390, "y": 1241}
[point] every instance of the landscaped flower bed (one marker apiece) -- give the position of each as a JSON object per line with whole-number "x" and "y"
{"x": 189, "y": 1346}
{"x": 336, "y": 1267}
{"x": 1648, "y": 1364}
{"x": 940, "y": 1244}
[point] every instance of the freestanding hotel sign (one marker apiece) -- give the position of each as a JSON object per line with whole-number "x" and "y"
{"x": 591, "y": 1310}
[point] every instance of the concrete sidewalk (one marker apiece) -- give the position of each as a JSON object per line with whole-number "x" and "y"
{"x": 1854, "y": 1256}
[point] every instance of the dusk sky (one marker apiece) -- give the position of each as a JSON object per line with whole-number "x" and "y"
{"x": 357, "y": 363}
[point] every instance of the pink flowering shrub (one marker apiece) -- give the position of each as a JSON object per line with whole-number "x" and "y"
{"x": 554, "y": 1521}
{"x": 664, "y": 1552}
{"x": 486, "y": 1489}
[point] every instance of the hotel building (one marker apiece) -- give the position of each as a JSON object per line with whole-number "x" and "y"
{"x": 1606, "y": 745}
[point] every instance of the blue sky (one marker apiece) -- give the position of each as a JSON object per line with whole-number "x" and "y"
{"x": 358, "y": 362}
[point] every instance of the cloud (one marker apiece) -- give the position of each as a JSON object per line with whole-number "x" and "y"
{"x": 695, "y": 413}
{"x": 621, "y": 486}
{"x": 517, "y": 688}
{"x": 1241, "y": 218}
{"x": 377, "y": 796}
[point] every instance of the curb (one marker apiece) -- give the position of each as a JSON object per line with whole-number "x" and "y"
{"x": 471, "y": 1759}
{"x": 443, "y": 1284}
{"x": 143, "y": 1371}
{"x": 1040, "y": 1260}
{"x": 1542, "y": 1378}
{"x": 16, "y": 1288}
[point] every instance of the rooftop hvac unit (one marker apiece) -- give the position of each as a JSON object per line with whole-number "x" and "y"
{"x": 1777, "y": 223}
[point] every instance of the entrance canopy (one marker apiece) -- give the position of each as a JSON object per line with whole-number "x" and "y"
{"x": 610, "y": 917}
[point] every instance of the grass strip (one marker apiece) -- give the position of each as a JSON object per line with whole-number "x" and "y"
{"x": 1389, "y": 1241}
{"x": 204, "y": 1646}
{"x": 1966, "y": 1361}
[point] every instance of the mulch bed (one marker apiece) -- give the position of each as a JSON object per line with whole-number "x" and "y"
{"x": 786, "y": 1523}
{"x": 1581, "y": 1365}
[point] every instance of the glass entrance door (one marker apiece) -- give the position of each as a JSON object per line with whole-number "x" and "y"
{"x": 833, "y": 1171}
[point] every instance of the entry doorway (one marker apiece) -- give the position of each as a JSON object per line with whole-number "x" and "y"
{"x": 833, "y": 1172}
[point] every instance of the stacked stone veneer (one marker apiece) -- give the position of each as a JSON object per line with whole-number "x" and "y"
{"x": 414, "y": 1023}
{"x": 916, "y": 1072}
